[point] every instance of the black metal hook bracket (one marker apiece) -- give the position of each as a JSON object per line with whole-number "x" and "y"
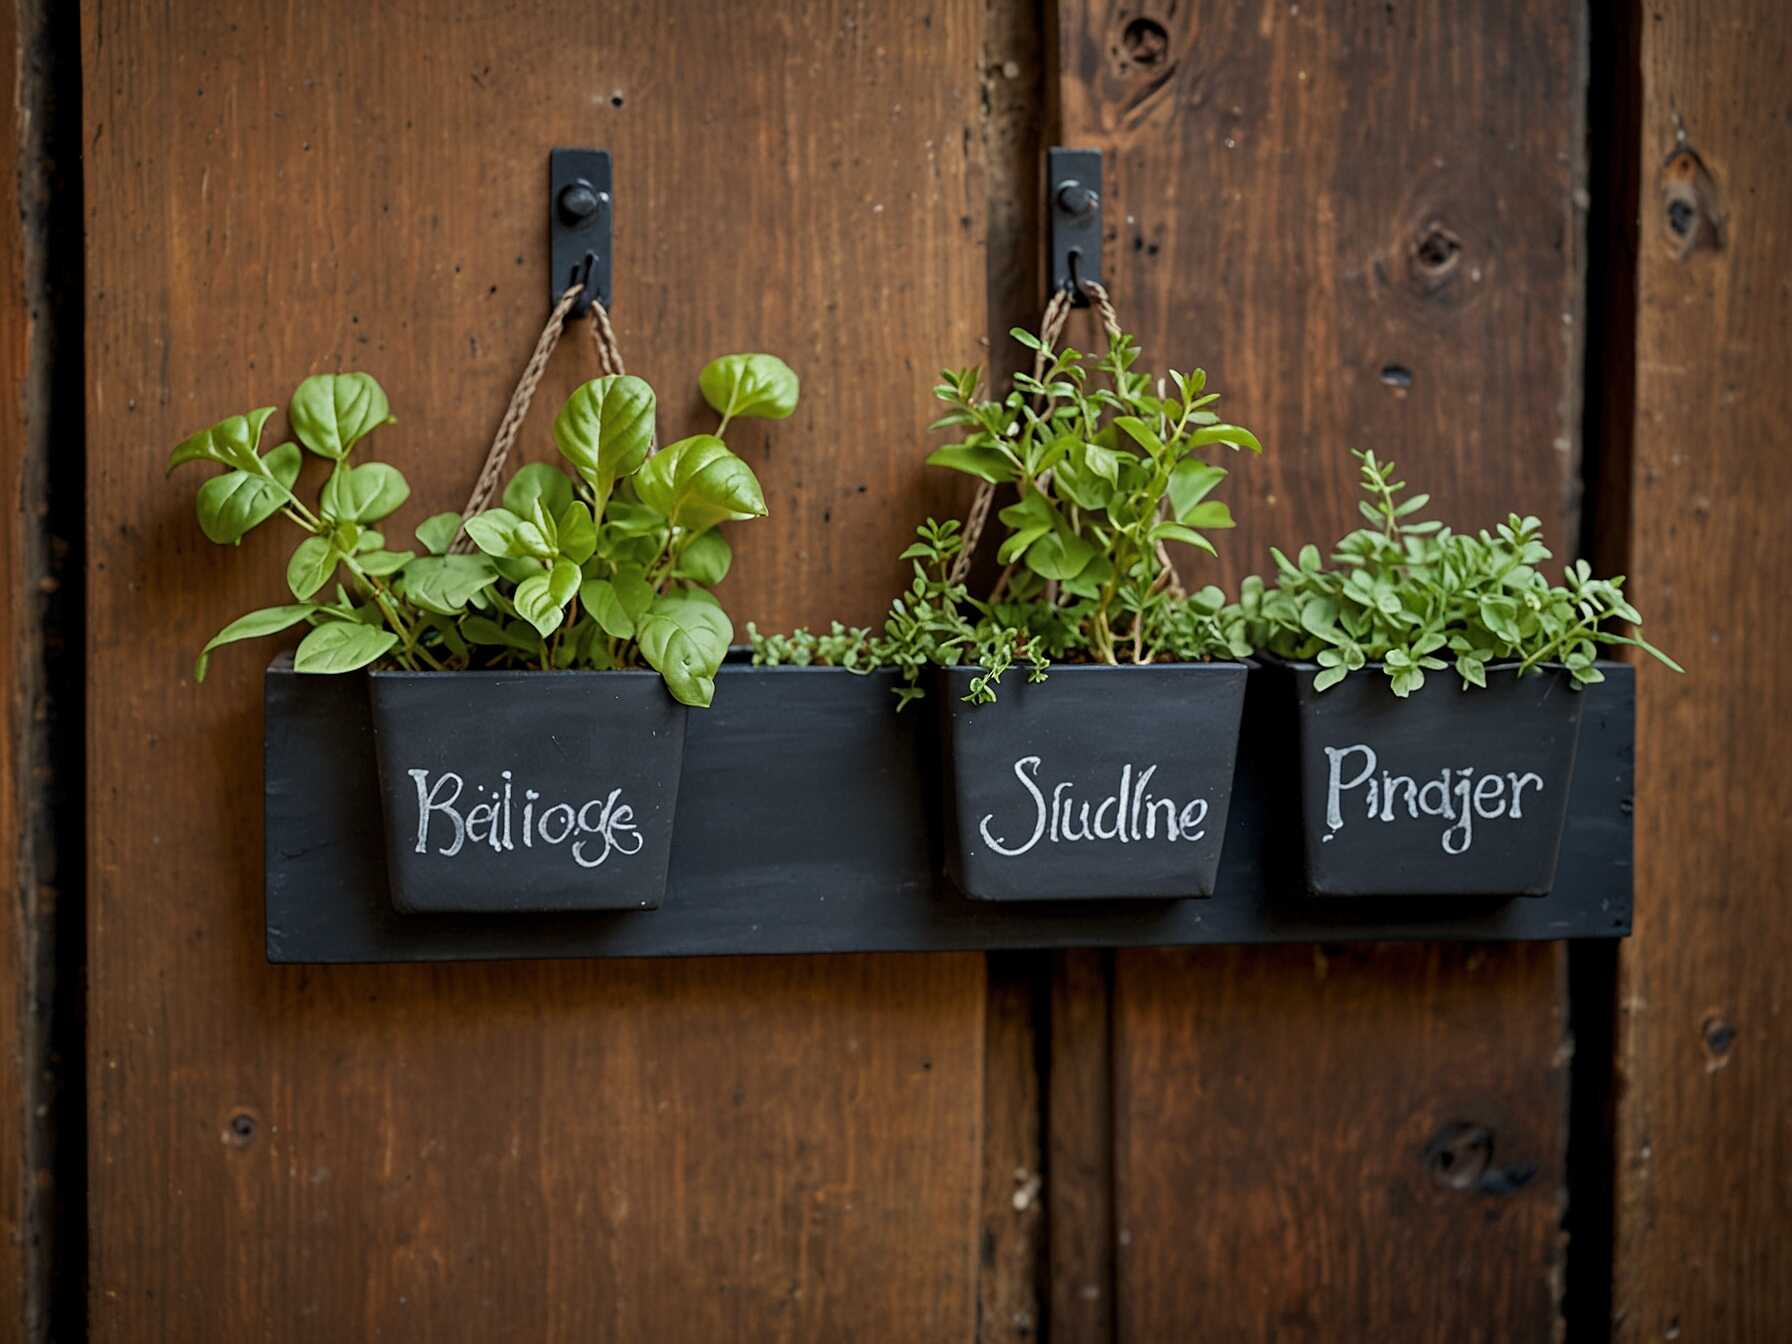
{"x": 1073, "y": 209}
{"x": 580, "y": 211}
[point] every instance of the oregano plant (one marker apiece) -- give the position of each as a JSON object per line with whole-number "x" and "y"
{"x": 1414, "y": 597}
{"x": 607, "y": 567}
{"x": 1108, "y": 471}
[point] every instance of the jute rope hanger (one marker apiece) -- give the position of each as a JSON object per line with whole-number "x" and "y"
{"x": 1051, "y": 327}
{"x": 609, "y": 359}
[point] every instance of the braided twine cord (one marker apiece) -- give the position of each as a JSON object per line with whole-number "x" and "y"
{"x": 609, "y": 359}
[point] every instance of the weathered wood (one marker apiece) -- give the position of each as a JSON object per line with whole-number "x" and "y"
{"x": 1361, "y": 221}
{"x": 1080, "y": 1150}
{"x": 17, "y": 611}
{"x": 1704, "y": 1194}
{"x": 774, "y": 1149}
{"x": 1338, "y": 1143}
{"x": 40, "y": 1041}
{"x": 1012, "y": 1250}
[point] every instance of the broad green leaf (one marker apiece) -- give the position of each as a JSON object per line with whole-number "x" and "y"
{"x": 1210, "y": 513}
{"x": 684, "y": 638}
{"x": 1329, "y": 677}
{"x": 762, "y": 386}
{"x": 980, "y": 460}
{"x": 332, "y": 412}
{"x": 1319, "y": 616}
{"x": 235, "y": 442}
{"x": 311, "y": 566}
{"x": 380, "y": 563}
{"x": 232, "y": 504}
{"x": 598, "y": 596}
{"x": 502, "y": 533}
{"x": 1059, "y": 555}
{"x": 1191, "y": 480}
{"x": 697, "y": 483}
{"x": 538, "y": 481}
{"x": 447, "y": 583}
{"x": 484, "y": 630}
{"x": 1092, "y": 579}
{"x": 342, "y": 646}
{"x": 267, "y": 621}
{"x": 575, "y": 534}
{"x": 542, "y": 600}
{"x": 1016, "y": 543}
{"x": 1186, "y": 535}
{"x": 1233, "y": 436}
{"x": 437, "y": 533}
{"x": 1140, "y": 433}
{"x": 364, "y": 494}
{"x": 706, "y": 559}
{"x": 1102, "y": 462}
{"x": 605, "y": 430}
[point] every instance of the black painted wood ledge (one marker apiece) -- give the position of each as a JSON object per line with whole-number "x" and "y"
{"x": 805, "y": 824}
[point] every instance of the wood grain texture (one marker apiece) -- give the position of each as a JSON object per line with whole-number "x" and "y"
{"x": 17, "y": 622}
{"x": 1361, "y": 221}
{"x": 779, "y": 1149}
{"x": 1080, "y": 1149}
{"x": 1704, "y": 1194}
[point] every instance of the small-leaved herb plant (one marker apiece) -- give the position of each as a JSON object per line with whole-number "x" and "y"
{"x": 1106, "y": 473}
{"x": 1414, "y": 597}
{"x": 608, "y": 567}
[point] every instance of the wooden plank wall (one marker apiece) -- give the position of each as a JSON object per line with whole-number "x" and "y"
{"x": 1361, "y": 220}
{"x": 17, "y": 618}
{"x": 1704, "y": 1192}
{"x": 708, "y": 1150}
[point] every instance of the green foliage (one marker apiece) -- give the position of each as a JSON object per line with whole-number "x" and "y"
{"x": 608, "y": 567}
{"x": 1105, "y": 478}
{"x": 1415, "y": 597}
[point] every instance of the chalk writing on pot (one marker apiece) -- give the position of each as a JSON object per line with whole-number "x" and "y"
{"x": 1055, "y": 813}
{"x": 511, "y": 817}
{"x": 1459, "y": 795}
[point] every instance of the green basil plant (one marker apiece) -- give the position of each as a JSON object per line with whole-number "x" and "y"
{"x": 609, "y": 566}
{"x": 1106, "y": 474}
{"x": 1414, "y": 597}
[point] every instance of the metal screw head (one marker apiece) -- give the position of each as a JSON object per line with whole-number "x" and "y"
{"x": 578, "y": 201}
{"x": 1076, "y": 200}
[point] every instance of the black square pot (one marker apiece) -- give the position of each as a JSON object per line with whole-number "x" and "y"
{"x": 526, "y": 791}
{"x": 1099, "y": 782}
{"x": 1449, "y": 792}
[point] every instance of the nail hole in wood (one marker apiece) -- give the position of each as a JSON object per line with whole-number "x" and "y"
{"x": 1437, "y": 251}
{"x": 1396, "y": 376}
{"x": 1458, "y": 1154}
{"x": 1145, "y": 42}
{"x": 239, "y": 1129}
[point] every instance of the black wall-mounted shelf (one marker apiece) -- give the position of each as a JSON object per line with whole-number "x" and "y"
{"x": 764, "y": 878}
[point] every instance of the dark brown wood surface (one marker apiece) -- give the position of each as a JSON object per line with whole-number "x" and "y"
{"x": 1704, "y": 1192}
{"x": 781, "y": 1149}
{"x": 16, "y": 605}
{"x": 1361, "y": 221}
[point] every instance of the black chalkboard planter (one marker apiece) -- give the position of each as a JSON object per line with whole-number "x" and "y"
{"x": 1449, "y": 792}
{"x": 526, "y": 791}
{"x": 1099, "y": 782}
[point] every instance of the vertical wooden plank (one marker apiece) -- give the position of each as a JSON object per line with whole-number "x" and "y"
{"x": 1361, "y": 221}
{"x": 1012, "y": 1272}
{"x": 17, "y": 620}
{"x": 774, "y": 1149}
{"x": 1704, "y": 1195}
{"x": 40, "y": 1121}
{"x": 1080, "y": 1153}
